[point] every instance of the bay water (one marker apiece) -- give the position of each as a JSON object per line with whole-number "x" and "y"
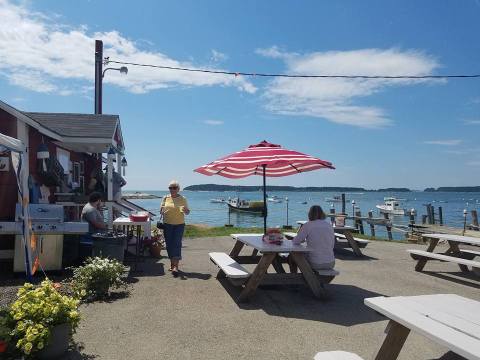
{"x": 203, "y": 211}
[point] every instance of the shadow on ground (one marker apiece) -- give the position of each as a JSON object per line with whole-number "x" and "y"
{"x": 459, "y": 277}
{"x": 75, "y": 352}
{"x": 343, "y": 306}
{"x": 450, "y": 356}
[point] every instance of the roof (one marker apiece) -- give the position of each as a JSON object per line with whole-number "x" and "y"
{"x": 77, "y": 125}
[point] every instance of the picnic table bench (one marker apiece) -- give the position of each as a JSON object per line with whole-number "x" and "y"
{"x": 269, "y": 254}
{"x": 463, "y": 257}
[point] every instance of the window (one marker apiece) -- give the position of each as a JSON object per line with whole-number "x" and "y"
{"x": 63, "y": 157}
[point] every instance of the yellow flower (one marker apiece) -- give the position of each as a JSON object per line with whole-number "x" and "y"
{"x": 28, "y": 347}
{"x": 40, "y": 345}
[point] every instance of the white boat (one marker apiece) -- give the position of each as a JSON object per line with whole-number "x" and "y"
{"x": 217, "y": 201}
{"x": 274, "y": 199}
{"x": 245, "y": 205}
{"x": 391, "y": 206}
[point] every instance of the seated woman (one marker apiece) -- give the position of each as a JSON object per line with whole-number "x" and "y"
{"x": 319, "y": 235}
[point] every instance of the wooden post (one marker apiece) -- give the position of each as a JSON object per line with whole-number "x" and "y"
{"x": 343, "y": 204}
{"x": 440, "y": 215}
{"x": 429, "y": 213}
{"x": 372, "y": 226}
{"x": 332, "y": 211}
{"x": 389, "y": 228}
{"x": 359, "y": 222}
{"x": 474, "y": 218}
{"x": 424, "y": 219}
{"x": 432, "y": 209}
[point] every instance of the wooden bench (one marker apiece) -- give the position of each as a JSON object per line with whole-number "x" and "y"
{"x": 361, "y": 242}
{"x": 470, "y": 253}
{"x": 235, "y": 272}
{"x": 462, "y": 262}
{"x": 336, "y": 355}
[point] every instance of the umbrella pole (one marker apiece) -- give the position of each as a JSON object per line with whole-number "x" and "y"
{"x": 264, "y": 201}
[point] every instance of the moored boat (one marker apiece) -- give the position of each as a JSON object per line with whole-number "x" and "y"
{"x": 336, "y": 198}
{"x": 217, "y": 201}
{"x": 391, "y": 206}
{"x": 245, "y": 205}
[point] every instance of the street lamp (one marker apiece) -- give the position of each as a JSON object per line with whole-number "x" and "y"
{"x": 353, "y": 208}
{"x": 464, "y": 221}
{"x": 100, "y": 73}
{"x": 124, "y": 165}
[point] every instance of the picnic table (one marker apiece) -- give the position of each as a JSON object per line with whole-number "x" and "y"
{"x": 345, "y": 233}
{"x": 265, "y": 256}
{"x": 449, "y": 320}
{"x": 462, "y": 257}
{"x": 125, "y": 224}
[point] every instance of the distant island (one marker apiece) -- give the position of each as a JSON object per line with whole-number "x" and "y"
{"x": 454, "y": 189}
{"x": 243, "y": 188}
{"x": 338, "y": 189}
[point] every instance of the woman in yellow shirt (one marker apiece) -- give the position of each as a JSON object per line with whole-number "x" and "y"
{"x": 174, "y": 207}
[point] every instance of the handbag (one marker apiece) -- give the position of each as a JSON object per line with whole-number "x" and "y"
{"x": 160, "y": 224}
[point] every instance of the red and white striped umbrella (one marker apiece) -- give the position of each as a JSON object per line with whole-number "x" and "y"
{"x": 264, "y": 159}
{"x": 277, "y": 161}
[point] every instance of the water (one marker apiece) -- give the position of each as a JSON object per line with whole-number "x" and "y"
{"x": 215, "y": 214}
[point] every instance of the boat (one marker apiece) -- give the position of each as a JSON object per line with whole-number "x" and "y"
{"x": 236, "y": 204}
{"x": 217, "y": 201}
{"x": 274, "y": 199}
{"x": 391, "y": 206}
{"x": 335, "y": 198}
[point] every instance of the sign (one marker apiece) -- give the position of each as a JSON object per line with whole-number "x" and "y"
{"x": 4, "y": 163}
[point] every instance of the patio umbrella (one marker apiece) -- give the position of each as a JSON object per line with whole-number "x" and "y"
{"x": 266, "y": 160}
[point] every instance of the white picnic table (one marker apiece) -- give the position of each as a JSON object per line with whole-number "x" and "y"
{"x": 449, "y": 320}
{"x": 346, "y": 231}
{"x": 270, "y": 255}
{"x": 463, "y": 257}
{"x": 125, "y": 223}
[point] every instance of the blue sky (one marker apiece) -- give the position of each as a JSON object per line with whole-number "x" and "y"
{"x": 377, "y": 133}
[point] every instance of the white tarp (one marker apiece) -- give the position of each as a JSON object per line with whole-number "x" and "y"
{"x": 20, "y": 164}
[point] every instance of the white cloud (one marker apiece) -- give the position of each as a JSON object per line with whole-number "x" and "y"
{"x": 474, "y": 163}
{"x": 449, "y": 142}
{"x": 37, "y": 53}
{"x": 213, "y": 122}
{"x": 472, "y": 122}
{"x": 218, "y": 56}
{"x": 333, "y": 99}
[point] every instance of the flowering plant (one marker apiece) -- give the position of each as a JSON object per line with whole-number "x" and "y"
{"x": 96, "y": 277}
{"x": 36, "y": 311}
{"x": 157, "y": 242}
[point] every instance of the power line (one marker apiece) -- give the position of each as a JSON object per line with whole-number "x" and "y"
{"x": 296, "y": 76}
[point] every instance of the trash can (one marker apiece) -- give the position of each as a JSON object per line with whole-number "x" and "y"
{"x": 111, "y": 245}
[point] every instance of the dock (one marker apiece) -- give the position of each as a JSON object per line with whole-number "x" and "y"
{"x": 140, "y": 196}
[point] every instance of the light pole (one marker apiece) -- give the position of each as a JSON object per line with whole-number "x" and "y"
{"x": 464, "y": 221}
{"x": 100, "y": 73}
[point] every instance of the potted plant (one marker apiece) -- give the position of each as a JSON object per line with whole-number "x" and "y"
{"x": 44, "y": 320}
{"x": 96, "y": 277}
{"x": 156, "y": 243}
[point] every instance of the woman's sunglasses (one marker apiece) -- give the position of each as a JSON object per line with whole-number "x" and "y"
{"x": 173, "y": 187}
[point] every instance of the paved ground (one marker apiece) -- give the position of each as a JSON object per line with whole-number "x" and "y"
{"x": 195, "y": 316}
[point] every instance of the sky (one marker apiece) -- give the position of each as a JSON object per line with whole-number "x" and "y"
{"x": 414, "y": 133}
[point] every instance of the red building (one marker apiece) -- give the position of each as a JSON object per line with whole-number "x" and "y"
{"x": 74, "y": 141}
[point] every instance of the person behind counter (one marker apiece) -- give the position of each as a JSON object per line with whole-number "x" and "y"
{"x": 319, "y": 235}
{"x": 174, "y": 207}
{"x": 91, "y": 214}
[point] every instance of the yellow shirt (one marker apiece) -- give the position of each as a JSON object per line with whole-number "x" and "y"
{"x": 172, "y": 214}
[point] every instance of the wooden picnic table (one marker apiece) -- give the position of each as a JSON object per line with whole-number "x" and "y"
{"x": 453, "y": 251}
{"x": 449, "y": 320}
{"x": 270, "y": 255}
{"x": 347, "y": 232}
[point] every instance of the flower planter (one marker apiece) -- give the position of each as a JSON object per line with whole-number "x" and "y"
{"x": 58, "y": 343}
{"x": 3, "y": 346}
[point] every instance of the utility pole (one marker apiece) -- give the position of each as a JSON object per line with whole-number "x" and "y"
{"x": 98, "y": 75}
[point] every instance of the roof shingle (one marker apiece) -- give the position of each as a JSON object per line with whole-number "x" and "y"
{"x": 77, "y": 125}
